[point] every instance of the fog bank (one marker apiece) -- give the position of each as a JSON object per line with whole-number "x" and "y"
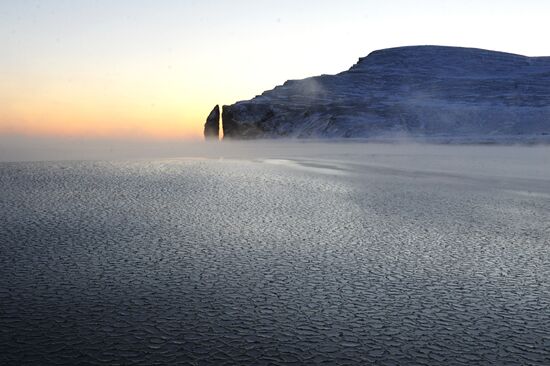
{"x": 496, "y": 160}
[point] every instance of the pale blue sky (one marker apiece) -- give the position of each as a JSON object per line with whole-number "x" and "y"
{"x": 185, "y": 56}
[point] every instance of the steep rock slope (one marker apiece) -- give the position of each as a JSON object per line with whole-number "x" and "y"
{"x": 406, "y": 91}
{"x": 212, "y": 125}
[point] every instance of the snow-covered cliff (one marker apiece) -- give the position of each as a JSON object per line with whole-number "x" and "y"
{"x": 419, "y": 91}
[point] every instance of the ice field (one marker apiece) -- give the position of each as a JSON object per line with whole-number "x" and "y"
{"x": 300, "y": 254}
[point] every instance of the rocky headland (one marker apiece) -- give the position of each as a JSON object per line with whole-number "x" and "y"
{"x": 417, "y": 91}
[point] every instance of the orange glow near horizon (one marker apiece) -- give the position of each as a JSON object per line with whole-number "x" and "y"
{"x": 121, "y": 99}
{"x": 89, "y": 127}
{"x": 81, "y": 122}
{"x": 69, "y": 111}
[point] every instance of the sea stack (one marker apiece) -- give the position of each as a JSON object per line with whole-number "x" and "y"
{"x": 212, "y": 125}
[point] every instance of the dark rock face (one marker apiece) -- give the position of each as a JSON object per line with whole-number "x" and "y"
{"x": 424, "y": 91}
{"x": 212, "y": 125}
{"x": 246, "y": 121}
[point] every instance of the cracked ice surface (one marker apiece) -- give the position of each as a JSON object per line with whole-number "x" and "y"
{"x": 274, "y": 261}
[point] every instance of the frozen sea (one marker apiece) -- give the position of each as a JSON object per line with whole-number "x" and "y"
{"x": 314, "y": 253}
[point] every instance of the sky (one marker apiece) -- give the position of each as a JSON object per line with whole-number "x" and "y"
{"x": 154, "y": 69}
